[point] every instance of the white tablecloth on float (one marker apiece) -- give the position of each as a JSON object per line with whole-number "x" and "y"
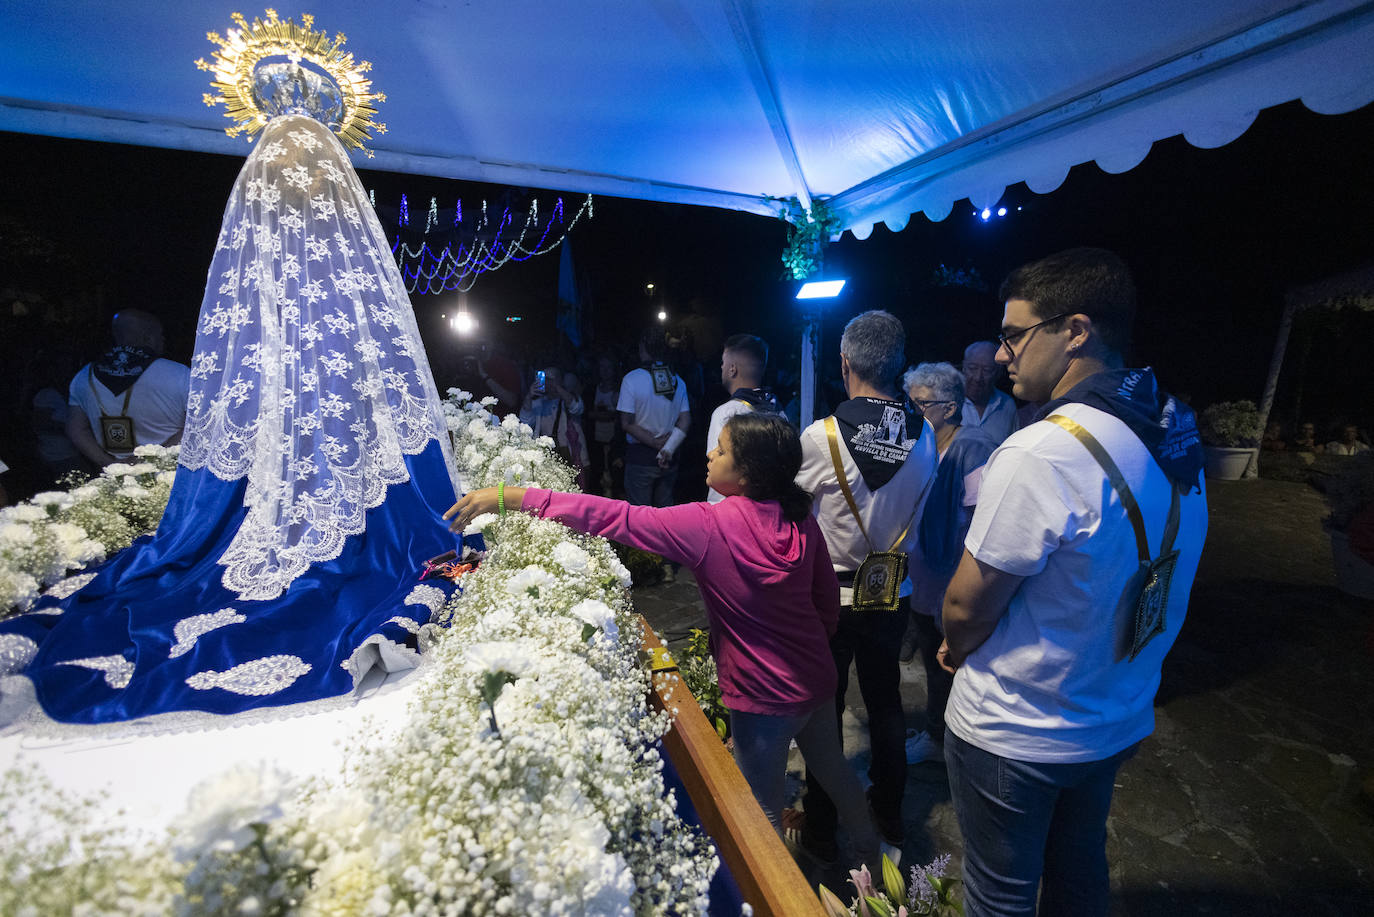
{"x": 148, "y": 778}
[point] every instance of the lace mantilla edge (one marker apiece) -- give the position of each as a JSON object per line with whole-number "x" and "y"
{"x": 309, "y": 376}
{"x": 17, "y": 691}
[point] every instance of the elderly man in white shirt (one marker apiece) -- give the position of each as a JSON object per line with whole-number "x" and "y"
{"x": 985, "y": 406}
{"x": 887, "y": 456}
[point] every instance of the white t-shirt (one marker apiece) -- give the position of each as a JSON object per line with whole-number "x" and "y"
{"x": 718, "y": 418}
{"x": 1047, "y": 685}
{"x": 886, "y": 511}
{"x": 157, "y": 404}
{"x": 654, "y": 413}
{"x": 998, "y": 419}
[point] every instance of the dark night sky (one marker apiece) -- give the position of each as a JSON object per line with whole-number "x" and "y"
{"x": 1214, "y": 237}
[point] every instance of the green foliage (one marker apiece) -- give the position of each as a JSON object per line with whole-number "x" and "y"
{"x": 699, "y": 674}
{"x": 1231, "y": 423}
{"x": 807, "y": 237}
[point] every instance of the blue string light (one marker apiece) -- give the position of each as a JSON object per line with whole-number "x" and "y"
{"x": 456, "y": 265}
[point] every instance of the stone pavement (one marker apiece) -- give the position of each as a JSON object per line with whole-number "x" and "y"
{"x": 1246, "y": 800}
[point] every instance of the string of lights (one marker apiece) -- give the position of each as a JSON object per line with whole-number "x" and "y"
{"x": 452, "y": 258}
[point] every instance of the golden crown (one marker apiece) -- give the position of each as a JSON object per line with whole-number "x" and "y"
{"x": 241, "y": 50}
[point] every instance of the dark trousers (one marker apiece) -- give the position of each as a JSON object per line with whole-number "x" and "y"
{"x": 872, "y": 642}
{"x": 938, "y": 681}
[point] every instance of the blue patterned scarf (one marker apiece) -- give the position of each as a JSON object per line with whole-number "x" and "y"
{"x": 1166, "y": 426}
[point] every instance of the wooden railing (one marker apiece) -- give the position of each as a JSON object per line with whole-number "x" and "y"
{"x": 763, "y": 869}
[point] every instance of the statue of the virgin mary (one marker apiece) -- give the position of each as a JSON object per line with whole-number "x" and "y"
{"x": 314, "y": 467}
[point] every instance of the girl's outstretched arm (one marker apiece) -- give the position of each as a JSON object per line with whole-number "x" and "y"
{"x": 678, "y": 533}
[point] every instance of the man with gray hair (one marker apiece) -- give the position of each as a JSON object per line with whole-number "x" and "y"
{"x": 130, "y": 396}
{"x": 986, "y": 406}
{"x": 869, "y": 467}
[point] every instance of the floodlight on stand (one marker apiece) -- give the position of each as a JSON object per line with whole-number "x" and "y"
{"x": 820, "y": 289}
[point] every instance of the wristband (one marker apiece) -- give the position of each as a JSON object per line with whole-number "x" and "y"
{"x": 501, "y": 498}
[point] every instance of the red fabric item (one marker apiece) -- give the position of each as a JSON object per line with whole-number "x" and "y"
{"x": 1361, "y": 533}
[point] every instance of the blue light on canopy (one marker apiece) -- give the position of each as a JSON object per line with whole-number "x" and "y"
{"x": 820, "y": 289}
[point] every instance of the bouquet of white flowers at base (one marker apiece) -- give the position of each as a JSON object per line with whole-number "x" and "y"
{"x": 45, "y": 538}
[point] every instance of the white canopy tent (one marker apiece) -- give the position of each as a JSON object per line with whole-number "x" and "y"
{"x": 883, "y": 107}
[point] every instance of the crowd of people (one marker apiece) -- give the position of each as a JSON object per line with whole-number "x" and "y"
{"x": 1347, "y": 439}
{"x": 1039, "y": 558}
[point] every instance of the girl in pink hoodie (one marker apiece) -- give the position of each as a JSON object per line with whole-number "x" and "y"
{"x": 770, "y": 592}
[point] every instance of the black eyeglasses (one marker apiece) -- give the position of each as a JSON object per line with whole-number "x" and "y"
{"x": 1005, "y": 340}
{"x": 922, "y": 405}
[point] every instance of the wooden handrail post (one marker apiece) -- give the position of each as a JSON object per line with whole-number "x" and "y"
{"x": 761, "y": 865}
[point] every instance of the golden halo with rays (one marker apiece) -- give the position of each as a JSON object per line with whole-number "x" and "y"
{"x": 241, "y": 49}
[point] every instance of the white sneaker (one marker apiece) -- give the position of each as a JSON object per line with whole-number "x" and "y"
{"x": 921, "y": 747}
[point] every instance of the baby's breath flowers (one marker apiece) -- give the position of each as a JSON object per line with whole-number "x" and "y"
{"x": 56, "y": 533}
{"x": 525, "y": 778}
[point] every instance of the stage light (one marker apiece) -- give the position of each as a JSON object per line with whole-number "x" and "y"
{"x": 1001, "y": 211}
{"x": 464, "y": 323}
{"x": 820, "y": 289}
{"x": 662, "y": 316}
{"x": 986, "y": 214}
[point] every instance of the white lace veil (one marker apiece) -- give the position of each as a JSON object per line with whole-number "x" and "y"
{"x": 308, "y": 376}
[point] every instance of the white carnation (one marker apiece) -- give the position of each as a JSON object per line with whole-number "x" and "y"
{"x": 224, "y": 808}
{"x": 530, "y": 578}
{"x": 479, "y": 523}
{"x": 597, "y": 614}
{"x": 499, "y": 656}
{"x": 570, "y": 557}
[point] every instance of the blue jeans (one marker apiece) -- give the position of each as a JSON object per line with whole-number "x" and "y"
{"x": 761, "y": 745}
{"x": 1029, "y": 825}
{"x": 650, "y": 485}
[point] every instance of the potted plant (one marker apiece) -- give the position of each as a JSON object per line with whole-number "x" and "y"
{"x": 1350, "y": 495}
{"x": 1230, "y": 432}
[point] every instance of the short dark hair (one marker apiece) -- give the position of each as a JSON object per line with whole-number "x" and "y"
{"x": 655, "y": 343}
{"x": 1091, "y": 281}
{"x": 766, "y": 452}
{"x": 751, "y": 346}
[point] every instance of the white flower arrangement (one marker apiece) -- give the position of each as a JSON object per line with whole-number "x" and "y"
{"x": 54, "y": 534}
{"x": 525, "y": 777}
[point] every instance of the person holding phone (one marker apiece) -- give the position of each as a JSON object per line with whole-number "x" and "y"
{"x": 553, "y": 408}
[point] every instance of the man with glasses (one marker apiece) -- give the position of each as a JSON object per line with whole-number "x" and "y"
{"x": 986, "y": 406}
{"x": 1054, "y": 628}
